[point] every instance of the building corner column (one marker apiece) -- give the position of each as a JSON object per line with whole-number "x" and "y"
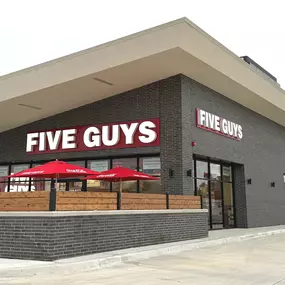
{"x": 176, "y": 150}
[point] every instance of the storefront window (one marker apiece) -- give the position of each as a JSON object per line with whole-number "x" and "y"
{"x": 215, "y": 171}
{"x": 98, "y": 185}
{"x": 127, "y": 186}
{"x": 202, "y": 169}
{"x": 148, "y": 165}
{"x": 80, "y": 163}
{"x": 229, "y": 219}
{"x": 227, "y": 174}
{"x": 151, "y": 166}
{"x": 41, "y": 184}
{"x": 203, "y": 190}
{"x": 125, "y": 162}
{"x": 19, "y": 184}
{"x": 217, "y": 204}
{"x": 4, "y": 171}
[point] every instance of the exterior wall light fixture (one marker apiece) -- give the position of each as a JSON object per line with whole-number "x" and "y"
{"x": 249, "y": 181}
{"x": 272, "y": 184}
{"x": 189, "y": 172}
{"x": 171, "y": 173}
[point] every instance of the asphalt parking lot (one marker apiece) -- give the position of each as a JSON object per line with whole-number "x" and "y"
{"x": 258, "y": 261}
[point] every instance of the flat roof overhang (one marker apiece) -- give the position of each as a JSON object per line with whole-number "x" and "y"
{"x": 130, "y": 62}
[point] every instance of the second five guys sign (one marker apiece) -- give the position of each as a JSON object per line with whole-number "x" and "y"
{"x": 105, "y": 136}
{"x": 218, "y": 125}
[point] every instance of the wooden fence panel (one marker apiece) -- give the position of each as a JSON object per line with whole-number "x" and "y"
{"x": 139, "y": 201}
{"x": 24, "y": 201}
{"x": 184, "y": 202}
{"x": 85, "y": 201}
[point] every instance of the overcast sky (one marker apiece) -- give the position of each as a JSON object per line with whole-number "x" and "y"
{"x": 35, "y": 31}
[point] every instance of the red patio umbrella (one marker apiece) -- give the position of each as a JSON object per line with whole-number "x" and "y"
{"x": 55, "y": 169}
{"x": 120, "y": 174}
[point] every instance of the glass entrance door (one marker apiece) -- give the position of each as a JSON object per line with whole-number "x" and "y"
{"x": 213, "y": 182}
{"x": 216, "y": 196}
{"x": 228, "y": 200}
{"x": 203, "y": 191}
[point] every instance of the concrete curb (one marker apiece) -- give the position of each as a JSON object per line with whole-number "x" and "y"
{"x": 103, "y": 260}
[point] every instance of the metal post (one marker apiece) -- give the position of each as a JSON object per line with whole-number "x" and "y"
{"x": 52, "y": 200}
{"x": 201, "y": 201}
{"x": 119, "y": 200}
{"x": 52, "y": 196}
{"x": 9, "y": 179}
{"x": 84, "y": 182}
{"x": 167, "y": 201}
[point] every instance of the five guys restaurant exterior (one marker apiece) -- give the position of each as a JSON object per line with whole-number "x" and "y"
{"x": 170, "y": 101}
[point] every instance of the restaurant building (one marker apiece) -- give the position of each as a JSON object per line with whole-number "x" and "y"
{"x": 169, "y": 101}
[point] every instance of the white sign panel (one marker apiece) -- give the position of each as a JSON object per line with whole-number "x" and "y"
{"x": 226, "y": 171}
{"x": 218, "y": 125}
{"x": 151, "y": 163}
{"x": 99, "y": 165}
{"x": 18, "y": 168}
{"x": 3, "y": 171}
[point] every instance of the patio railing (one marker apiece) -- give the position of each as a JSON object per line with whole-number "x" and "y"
{"x": 84, "y": 201}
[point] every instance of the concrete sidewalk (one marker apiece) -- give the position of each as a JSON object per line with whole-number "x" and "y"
{"x": 24, "y": 268}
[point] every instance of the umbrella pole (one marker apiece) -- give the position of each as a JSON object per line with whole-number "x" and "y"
{"x": 56, "y": 182}
{"x": 121, "y": 186}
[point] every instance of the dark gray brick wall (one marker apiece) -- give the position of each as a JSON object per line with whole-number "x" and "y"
{"x": 239, "y": 195}
{"x": 170, "y": 104}
{"x": 24, "y": 237}
{"x": 261, "y": 151}
{"x": 51, "y": 238}
{"x": 175, "y": 136}
{"x": 187, "y": 150}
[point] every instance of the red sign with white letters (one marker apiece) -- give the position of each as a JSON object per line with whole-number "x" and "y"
{"x": 95, "y": 137}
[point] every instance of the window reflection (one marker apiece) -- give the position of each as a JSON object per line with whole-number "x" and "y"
{"x": 20, "y": 184}
{"x": 125, "y": 162}
{"x": 228, "y": 205}
{"x": 74, "y": 185}
{"x": 215, "y": 171}
{"x": 4, "y": 171}
{"x": 202, "y": 169}
{"x": 216, "y": 202}
{"x": 203, "y": 190}
{"x": 227, "y": 173}
{"x": 98, "y": 185}
{"x": 150, "y": 166}
{"x": 127, "y": 186}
